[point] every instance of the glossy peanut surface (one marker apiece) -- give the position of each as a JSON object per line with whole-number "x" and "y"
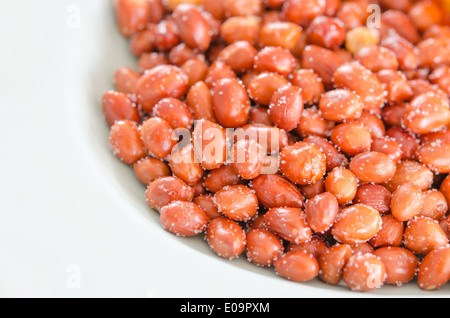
{"x": 375, "y": 196}
{"x": 390, "y": 234}
{"x": 288, "y": 223}
{"x": 302, "y": 163}
{"x": 356, "y": 224}
{"x": 406, "y": 202}
{"x": 364, "y": 272}
{"x": 225, "y": 237}
{"x": 342, "y": 183}
{"x": 332, "y": 263}
{"x": 434, "y": 269}
{"x": 423, "y": 234}
{"x": 286, "y": 107}
{"x": 321, "y": 211}
{"x": 297, "y": 266}
{"x": 275, "y": 191}
{"x": 400, "y": 264}
{"x": 183, "y": 218}
{"x": 164, "y": 190}
{"x": 126, "y": 143}
{"x": 263, "y": 247}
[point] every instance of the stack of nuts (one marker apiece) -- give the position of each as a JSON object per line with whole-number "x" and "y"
{"x": 311, "y": 135}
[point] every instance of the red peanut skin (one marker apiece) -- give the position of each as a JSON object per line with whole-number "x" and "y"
{"x": 231, "y": 104}
{"x": 125, "y": 141}
{"x": 193, "y": 27}
{"x": 160, "y": 82}
{"x": 263, "y": 247}
{"x": 303, "y": 155}
{"x": 164, "y": 190}
{"x": 225, "y": 237}
{"x": 275, "y": 191}
{"x": 297, "y": 266}
{"x": 357, "y": 78}
{"x": 183, "y": 218}
{"x": 118, "y": 106}
{"x": 321, "y": 211}
{"x": 131, "y": 15}
{"x": 434, "y": 270}
{"x": 288, "y": 223}
{"x": 286, "y": 107}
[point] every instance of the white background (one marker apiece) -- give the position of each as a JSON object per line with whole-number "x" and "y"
{"x": 68, "y": 208}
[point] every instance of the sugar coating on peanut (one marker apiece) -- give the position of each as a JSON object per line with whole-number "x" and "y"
{"x": 297, "y": 134}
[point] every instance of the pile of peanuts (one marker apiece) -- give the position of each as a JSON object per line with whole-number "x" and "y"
{"x": 354, "y": 185}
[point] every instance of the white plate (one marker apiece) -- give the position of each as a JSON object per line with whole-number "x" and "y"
{"x": 74, "y": 222}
